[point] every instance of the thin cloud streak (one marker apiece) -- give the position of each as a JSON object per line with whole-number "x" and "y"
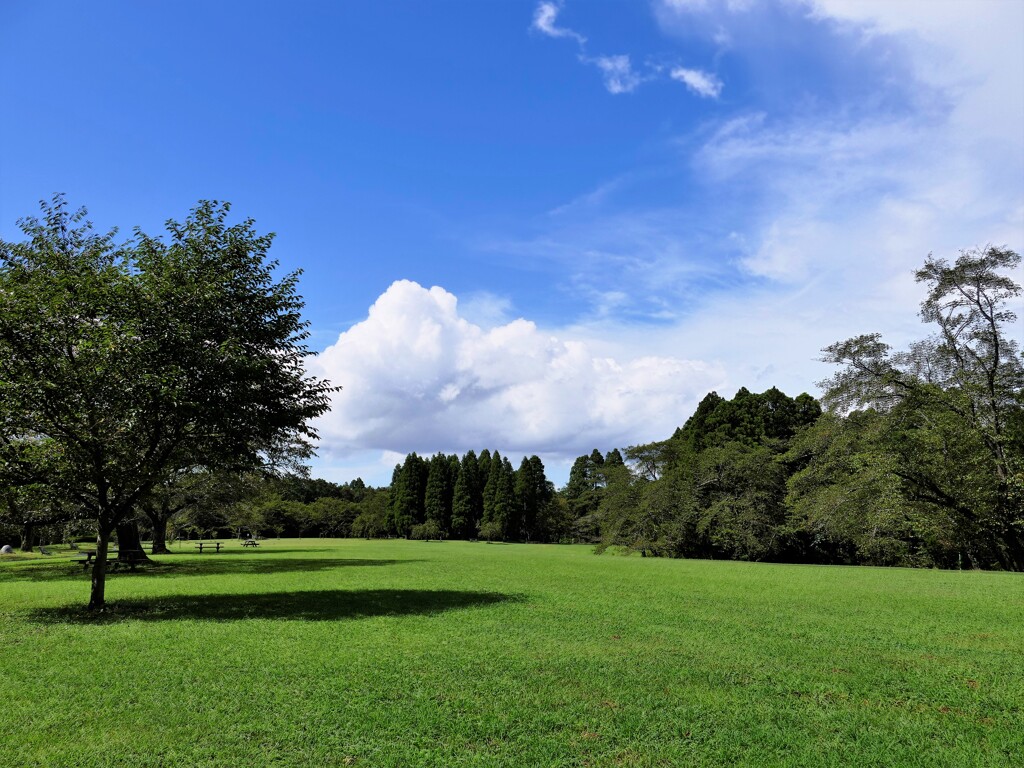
{"x": 617, "y": 70}
{"x": 544, "y": 22}
{"x": 702, "y": 83}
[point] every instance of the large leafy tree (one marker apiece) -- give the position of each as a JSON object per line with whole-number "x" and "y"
{"x": 129, "y": 361}
{"x": 953, "y": 403}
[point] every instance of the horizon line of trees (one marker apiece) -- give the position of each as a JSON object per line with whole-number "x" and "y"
{"x": 133, "y": 402}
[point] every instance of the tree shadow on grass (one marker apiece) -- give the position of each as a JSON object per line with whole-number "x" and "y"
{"x": 164, "y": 567}
{"x": 320, "y": 605}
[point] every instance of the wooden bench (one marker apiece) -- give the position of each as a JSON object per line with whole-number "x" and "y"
{"x": 250, "y": 543}
{"x": 215, "y": 545}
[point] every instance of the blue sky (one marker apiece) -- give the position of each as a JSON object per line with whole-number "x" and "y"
{"x": 536, "y": 226}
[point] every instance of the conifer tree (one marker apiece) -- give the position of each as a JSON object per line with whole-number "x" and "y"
{"x": 436, "y": 506}
{"x": 506, "y": 511}
{"x": 490, "y": 490}
{"x": 462, "y": 504}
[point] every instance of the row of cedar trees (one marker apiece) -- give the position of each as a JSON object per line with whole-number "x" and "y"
{"x": 475, "y": 496}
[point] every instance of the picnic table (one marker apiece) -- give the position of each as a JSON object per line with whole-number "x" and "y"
{"x": 250, "y": 543}
{"x": 215, "y": 545}
{"x": 114, "y": 560}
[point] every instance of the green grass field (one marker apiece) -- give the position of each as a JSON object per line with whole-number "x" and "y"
{"x": 397, "y": 653}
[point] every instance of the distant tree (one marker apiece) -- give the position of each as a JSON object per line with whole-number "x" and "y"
{"x": 408, "y": 495}
{"x": 437, "y": 506}
{"x": 580, "y": 479}
{"x": 462, "y": 501}
{"x": 185, "y": 488}
{"x": 372, "y": 521}
{"x": 716, "y": 488}
{"x": 506, "y": 506}
{"x": 533, "y": 494}
{"x": 133, "y": 360}
{"x": 583, "y": 493}
{"x": 26, "y": 502}
{"x": 428, "y": 531}
{"x": 490, "y": 530}
{"x": 330, "y": 516}
{"x": 845, "y": 501}
{"x": 614, "y": 458}
{"x": 490, "y": 488}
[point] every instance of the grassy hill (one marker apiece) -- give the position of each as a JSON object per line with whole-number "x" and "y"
{"x": 397, "y": 653}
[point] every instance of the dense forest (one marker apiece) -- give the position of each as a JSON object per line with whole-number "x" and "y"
{"x": 912, "y": 457}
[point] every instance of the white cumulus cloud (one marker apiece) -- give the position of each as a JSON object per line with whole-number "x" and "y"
{"x": 417, "y": 375}
{"x": 702, "y": 83}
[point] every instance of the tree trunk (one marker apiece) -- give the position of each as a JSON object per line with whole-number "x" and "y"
{"x": 99, "y": 571}
{"x": 159, "y": 523}
{"x": 28, "y": 531}
{"x": 129, "y": 542}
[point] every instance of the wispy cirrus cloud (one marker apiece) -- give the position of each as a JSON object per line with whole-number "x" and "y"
{"x": 802, "y": 219}
{"x": 617, "y": 70}
{"x": 544, "y": 18}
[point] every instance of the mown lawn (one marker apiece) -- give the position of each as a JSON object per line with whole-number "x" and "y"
{"x": 348, "y": 652}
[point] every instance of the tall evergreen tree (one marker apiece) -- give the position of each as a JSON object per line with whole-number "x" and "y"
{"x": 462, "y": 504}
{"x": 506, "y": 509}
{"x": 438, "y": 492}
{"x": 533, "y": 495}
{"x": 490, "y": 490}
{"x": 483, "y": 473}
{"x": 408, "y": 495}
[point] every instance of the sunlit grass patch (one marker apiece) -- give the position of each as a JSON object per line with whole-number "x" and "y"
{"x": 348, "y": 652}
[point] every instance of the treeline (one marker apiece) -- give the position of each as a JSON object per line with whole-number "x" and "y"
{"x": 467, "y": 498}
{"x": 918, "y": 459}
{"x": 197, "y": 504}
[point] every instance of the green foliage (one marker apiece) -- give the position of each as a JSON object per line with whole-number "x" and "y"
{"x": 515, "y": 505}
{"x": 951, "y": 404}
{"x": 716, "y": 488}
{"x": 463, "y": 506}
{"x": 408, "y": 495}
{"x": 439, "y": 491}
{"x": 919, "y": 461}
{"x": 490, "y": 530}
{"x": 126, "y": 362}
{"x": 845, "y": 502}
{"x": 428, "y": 531}
{"x": 372, "y": 521}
